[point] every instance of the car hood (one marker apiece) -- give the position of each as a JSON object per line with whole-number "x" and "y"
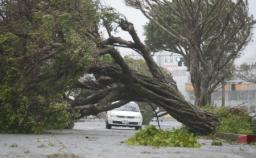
{"x": 124, "y": 113}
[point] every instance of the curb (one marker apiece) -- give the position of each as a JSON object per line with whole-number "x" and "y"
{"x": 238, "y": 138}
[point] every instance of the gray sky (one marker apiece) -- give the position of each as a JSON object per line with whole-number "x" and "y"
{"x": 249, "y": 53}
{"x": 136, "y": 17}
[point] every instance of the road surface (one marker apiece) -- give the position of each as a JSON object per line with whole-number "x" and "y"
{"x": 90, "y": 139}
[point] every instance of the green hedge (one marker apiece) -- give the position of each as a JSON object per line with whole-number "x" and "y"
{"x": 232, "y": 120}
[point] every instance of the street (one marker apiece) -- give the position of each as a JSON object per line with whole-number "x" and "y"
{"x": 90, "y": 139}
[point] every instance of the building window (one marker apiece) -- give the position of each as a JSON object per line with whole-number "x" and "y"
{"x": 180, "y": 61}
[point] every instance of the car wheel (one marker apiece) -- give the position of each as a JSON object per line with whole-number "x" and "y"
{"x": 108, "y": 126}
{"x": 137, "y": 128}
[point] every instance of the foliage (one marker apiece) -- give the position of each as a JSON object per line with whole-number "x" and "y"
{"x": 60, "y": 116}
{"x": 232, "y": 120}
{"x": 44, "y": 51}
{"x": 217, "y": 143}
{"x": 25, "y": 119}
{"x": 253, "y": 125}
{"x": 155, "y": 137}
{"x": 247, "y": 72}
{"x": 138, "y": 66}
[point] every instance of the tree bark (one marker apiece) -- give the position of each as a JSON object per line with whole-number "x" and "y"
{"x": 223, "y": 98}
{"x": 200, "y": 83}
{"x": 202, "y": 95}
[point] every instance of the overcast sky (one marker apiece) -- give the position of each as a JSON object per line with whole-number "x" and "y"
{"x": 136, "y": 17}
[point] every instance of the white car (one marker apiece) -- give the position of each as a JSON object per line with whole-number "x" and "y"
{"x": 128, "y": 115}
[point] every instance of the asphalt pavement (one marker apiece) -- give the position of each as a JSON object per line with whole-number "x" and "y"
{"x": 90, "y": 139}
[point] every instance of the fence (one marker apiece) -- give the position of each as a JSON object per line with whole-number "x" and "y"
{"x": 246, "y": 98}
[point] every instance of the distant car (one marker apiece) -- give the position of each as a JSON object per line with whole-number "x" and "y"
{"x": 128, "y": 115}
{"x": 252, "y": 115}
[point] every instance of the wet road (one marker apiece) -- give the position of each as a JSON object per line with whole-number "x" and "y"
{"x": 90, "y": 139}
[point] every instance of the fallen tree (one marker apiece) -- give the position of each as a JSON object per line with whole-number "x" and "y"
{"x": 116, "y": 84}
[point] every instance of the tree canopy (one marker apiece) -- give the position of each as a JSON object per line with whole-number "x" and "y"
{"x": 209, "y": 34}
{"x": 44, "y": 51}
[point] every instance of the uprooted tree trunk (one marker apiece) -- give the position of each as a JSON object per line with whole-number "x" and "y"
{"x": 116, "y": 84}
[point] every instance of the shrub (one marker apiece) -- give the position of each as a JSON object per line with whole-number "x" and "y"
{"x": 155, "y": 137}
{"x": 232, "y": 120}
{"x": 253, "y": 125}
{"x": 235, "y": 124}
{"x": 27, "y": 118}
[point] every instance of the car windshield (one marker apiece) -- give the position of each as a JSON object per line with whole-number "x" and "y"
{"x": 129, "y": 107}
